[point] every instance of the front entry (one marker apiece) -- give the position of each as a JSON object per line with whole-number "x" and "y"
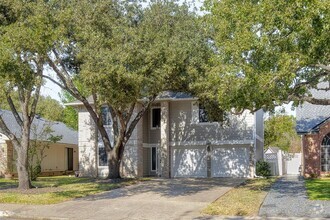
{"x": 70, "y": 158}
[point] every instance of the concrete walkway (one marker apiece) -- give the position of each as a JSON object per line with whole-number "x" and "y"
{"x": 156, "y": 199}
{"x": 288, "y": 198}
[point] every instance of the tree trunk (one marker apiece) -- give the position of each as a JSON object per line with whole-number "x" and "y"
{"x": 22, "y": 163}
{"x": 113, "y": 164}
{"x": 22, "y": 168}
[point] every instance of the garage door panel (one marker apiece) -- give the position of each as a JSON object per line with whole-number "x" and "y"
{"x": 189, "y": 162}
{"x": 230, "y": 162}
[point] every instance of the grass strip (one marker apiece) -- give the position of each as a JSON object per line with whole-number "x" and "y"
{"x": 244, "y": 200}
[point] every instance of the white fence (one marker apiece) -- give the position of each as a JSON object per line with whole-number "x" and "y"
{"x": 283, "y": 163}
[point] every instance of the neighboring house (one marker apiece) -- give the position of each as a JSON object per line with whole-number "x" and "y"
{"x": 60, "y": 157}
{"x": 313, "y": 124}
{"x": 174, "y": 139}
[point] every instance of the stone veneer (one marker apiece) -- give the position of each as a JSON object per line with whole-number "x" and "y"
{"x": 312, "y": 151}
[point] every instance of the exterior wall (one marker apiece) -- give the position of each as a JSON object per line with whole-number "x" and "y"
{"x": 312, "y": 151}
{"x": 54, "y": 163}
{"x": 185, "y": 128}
{"x": 132, "y": 163}
{"x": 87, "y": 139}
{"x": 57, "y": 159}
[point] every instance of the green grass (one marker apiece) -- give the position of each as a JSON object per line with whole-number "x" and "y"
{"x": 244, "y": 200}
{"x": 318, "y": 189}
{"x": 52, "y": 190}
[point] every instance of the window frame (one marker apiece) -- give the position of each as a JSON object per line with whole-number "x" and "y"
{"x": 151, "y": 117}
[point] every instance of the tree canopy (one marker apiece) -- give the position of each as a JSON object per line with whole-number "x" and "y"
{"x": 124, "y": 55}
{"x": 268, "y": 52}
{"x": 280, "y": 132}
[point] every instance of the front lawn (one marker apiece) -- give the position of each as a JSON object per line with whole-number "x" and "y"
{"x": 50, "y": 190}
{"x": 244, "y": 200}
{"x": 318, "y": 189}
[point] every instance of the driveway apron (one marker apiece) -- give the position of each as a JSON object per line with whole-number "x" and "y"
{"x": 156, "y": 199}
{"x": 288, "y": 198}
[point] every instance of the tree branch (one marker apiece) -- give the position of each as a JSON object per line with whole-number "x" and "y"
{"x": 14, "y": 110}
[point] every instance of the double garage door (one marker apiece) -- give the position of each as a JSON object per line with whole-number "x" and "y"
{"x": 231, "y": 161}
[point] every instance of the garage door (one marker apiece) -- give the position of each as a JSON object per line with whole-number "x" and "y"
{"x": 230, "y": 162}
{"x": 189, "y": 162}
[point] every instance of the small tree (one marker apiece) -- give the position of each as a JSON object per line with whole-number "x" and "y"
{"x": 280, "y": 132}
{"x": 42, "y": 138}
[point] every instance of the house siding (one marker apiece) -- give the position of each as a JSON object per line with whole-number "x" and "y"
{"x": 184, "y": 129}
{"x": 87, "y": 140}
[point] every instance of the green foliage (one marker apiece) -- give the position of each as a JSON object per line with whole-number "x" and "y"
{"x": 280, "y": 132}
{"x": 263, "y": 168}
{"x": 267, "y": 52}
{"x": 70, "y": 115}
{"x": 128, "y": 52}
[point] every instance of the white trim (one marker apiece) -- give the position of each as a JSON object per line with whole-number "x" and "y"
{"x": 147, "y": 145}
{"x": 151, "y": 114}
{"x": 214, "y": 143}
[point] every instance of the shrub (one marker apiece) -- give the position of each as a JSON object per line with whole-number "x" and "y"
{"x": 263, "y": 168}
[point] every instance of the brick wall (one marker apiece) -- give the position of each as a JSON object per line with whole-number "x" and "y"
{"x": 312, "y": 151}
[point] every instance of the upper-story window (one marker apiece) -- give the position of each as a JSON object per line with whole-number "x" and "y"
{"x": 155, "y": 117}
{"x": 202, "y": 114}
{"x": 106, "y": 117}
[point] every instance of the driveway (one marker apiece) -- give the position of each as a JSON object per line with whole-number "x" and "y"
{"x": 155, "y": 199}
{"x": 288, "y": 198}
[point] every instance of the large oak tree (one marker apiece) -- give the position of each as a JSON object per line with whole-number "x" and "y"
{"x": 268, "y": 52}
{"x": 125, "y": 55}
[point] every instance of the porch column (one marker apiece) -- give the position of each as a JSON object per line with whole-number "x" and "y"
{"x": 164, "y": 140}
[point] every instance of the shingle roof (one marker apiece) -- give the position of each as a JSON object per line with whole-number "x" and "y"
{"x": 163, "y": 95}
{"x": 174, "y": 95}
{"x": 309, "y": 116}
{"x": 69, "y": 136}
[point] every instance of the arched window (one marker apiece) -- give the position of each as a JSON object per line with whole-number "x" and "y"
{"x": 325, "y": 154}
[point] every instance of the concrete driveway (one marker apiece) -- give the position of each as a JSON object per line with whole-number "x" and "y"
{"x": 156, "y": 199}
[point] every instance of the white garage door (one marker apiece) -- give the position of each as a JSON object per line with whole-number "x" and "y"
{"x": 189, "y": 162}
{"x": 230, "y": 162}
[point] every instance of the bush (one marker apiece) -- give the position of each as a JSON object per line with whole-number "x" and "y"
{"x": 263, "y": 168}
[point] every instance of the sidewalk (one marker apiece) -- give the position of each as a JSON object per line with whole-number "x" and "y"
{"x": 288, "y": 198}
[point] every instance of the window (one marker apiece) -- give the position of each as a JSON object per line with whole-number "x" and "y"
{"x": 103, "y": 158}
{"x": 153, "y": 159}
{"x": 202, "y": 114}
{"x": 325, "y": 154}
{"x": 106, "y": 118}
{"x": 155, "y": 117}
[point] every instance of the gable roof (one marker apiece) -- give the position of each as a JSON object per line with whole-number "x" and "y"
{"x": 310, "y": 117}
{"x": 69, "y": 136}
{"x": 166, "y": 95}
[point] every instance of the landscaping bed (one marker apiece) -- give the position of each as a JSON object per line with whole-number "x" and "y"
{"x": 244, "y": 200}
{"x": 50, "y": 190}
{"x": 318, "y": 189}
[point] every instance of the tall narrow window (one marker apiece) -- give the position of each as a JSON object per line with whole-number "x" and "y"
{"x": 325, "y": 154}
{"x": 155, "y": 118}
{"x": 202, "y": 114}
{"x": 106, "y": 115}
{"x": 103, "y": 159}
{"x": 153, "y": 159}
